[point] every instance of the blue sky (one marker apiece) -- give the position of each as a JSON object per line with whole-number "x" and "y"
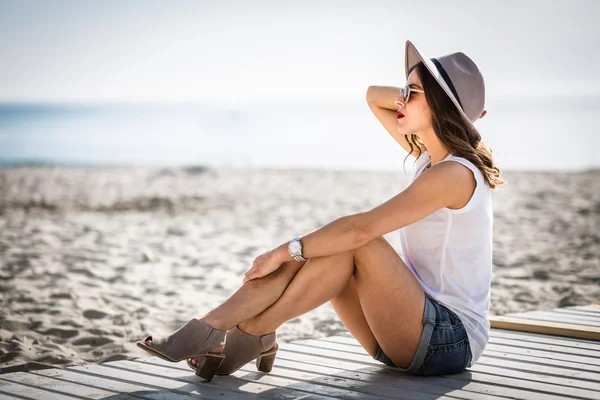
{"x": 240, "y": 51}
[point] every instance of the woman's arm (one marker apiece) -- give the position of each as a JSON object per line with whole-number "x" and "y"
{"x": 382, "y": 102}
{"x": 445, "y": 184}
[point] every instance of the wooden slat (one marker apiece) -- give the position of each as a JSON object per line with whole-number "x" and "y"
{"x": 441, "y": 385}
{"x": 42, "y": 387}
{"x": 552, "y": 317}
{"x": 535, "y": 360}
{"x": 548, "y": 389}
{"x": 570, "y": 317}
{"x": 563, "y": 368}
{"x": 315, "y": 345}
{"x": 311, "y": 382}
{"x": 86, "y": 376}
{"x": 505, "y": 337}
{"x": 6, "y": 396}
{"x": 548, "y": 328}
{"x": 275, "y": 385}
{"x": 546, "y": 347}
{"x": 373, "y": 375}
{"x": 554, "y": 354}
{"x": 572, "y": 311}
{"x": 167, "y": 377}
{"x": 541, "y": 338}
{"x": 589, "y": 307}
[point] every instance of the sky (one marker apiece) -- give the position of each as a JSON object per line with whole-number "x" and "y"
{"x": 243, "y": 52}
{"x": 283, "y": 69}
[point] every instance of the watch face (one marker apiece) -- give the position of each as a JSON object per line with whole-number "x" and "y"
{"x": 295, "y": 247}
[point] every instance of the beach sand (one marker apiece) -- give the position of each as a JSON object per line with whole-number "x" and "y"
{"x": 94, "y": 259}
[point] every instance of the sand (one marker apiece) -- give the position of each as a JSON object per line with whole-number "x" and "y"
{"x": 93, "y": 259}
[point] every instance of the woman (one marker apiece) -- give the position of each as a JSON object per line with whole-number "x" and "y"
{"x": 426, "y": 313}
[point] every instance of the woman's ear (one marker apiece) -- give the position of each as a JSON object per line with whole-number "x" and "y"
{"x": 483, "y": 114}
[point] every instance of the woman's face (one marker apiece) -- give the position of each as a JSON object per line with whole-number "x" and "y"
{"x": 417, "y": 114}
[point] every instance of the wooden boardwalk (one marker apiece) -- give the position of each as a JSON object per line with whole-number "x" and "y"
{"x": 515, "y": 364}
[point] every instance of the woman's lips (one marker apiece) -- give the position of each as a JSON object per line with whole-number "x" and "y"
{"x": 400, "y": 115}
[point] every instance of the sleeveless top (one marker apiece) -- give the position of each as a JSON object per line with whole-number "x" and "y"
{"x": 450, "y": 254}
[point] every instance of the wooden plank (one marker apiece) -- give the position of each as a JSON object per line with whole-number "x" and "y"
{"x": 591, "y": 306}
{"x": 534, "y": 358}
{"x": 276, "y": 386}
{"x": 540, "y": 316}
{"x": 595, "y": 354}
{"x": 566, "y": 366}
{"x": 571, "y": 311}
{"x": 551, "y": 370}
{"x": 535, "y": 361}
{"x": 167, "y": 377}
{"x": 373, "y": 375}
{"x": 316, "y": 345}
{"x": 440, "y": 382}
{"x": 568, "y": 317}
{"x": 535, "y": 375}
{"x": 54, "y": 388}
{"x": 541, "y": 338}
{"x": 541, "y": 354}
{"x": 15, "y": 390}
{"x": 117, "y": 385}
{"x": 548, "y": 328}
{"x": 522, "y": 339}
{"x": 5, "y": 396}
{"x": 486, "y": 383}
{"x": 303, "y": 376}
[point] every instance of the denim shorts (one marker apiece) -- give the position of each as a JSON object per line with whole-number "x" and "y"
{"x": 443, "y": 348}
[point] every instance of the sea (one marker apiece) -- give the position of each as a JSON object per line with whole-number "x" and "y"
{"x": 524, "y": 133}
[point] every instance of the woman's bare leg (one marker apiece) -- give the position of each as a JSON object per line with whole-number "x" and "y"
{"x": 391, "y": 299}
{"x": 347, "y": 307}
{"x": 253, "y": 297}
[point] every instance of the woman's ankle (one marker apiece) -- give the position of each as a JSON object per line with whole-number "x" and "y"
{"x": 216, "y": 322}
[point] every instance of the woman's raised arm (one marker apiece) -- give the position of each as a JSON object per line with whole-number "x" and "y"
{"x": 382, "y": 102}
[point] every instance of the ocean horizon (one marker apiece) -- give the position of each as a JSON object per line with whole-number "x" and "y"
{"x": 525, "y": 134}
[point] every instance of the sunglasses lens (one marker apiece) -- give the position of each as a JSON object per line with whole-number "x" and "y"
{"x": 406, "y": 93}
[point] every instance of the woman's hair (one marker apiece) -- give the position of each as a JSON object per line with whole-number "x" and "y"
{"x": 460, "y": 138}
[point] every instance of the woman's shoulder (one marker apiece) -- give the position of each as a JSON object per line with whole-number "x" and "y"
{"x": 468, "y": 164}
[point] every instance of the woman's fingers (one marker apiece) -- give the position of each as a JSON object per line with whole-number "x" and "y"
{"x": 251, "y": 274}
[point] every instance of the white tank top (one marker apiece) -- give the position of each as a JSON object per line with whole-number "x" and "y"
{"x": 450, "y": 254}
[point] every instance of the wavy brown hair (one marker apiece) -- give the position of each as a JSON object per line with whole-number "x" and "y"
{"x": 461, "y": 139}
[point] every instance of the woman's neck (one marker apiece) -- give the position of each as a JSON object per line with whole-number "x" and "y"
{"x": 437, "y": 153}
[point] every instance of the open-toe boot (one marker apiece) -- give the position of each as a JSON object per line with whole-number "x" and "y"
{"x": 241, "y": 348}
{"x": 194, "y": 339}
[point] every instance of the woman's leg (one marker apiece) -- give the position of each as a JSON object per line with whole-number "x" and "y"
{"x": 253, "y": 297}
{"x": 347, "y": 307}
{"x": 391, "y": 299}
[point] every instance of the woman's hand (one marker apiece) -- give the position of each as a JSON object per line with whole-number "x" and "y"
{"x": 263, "y": 265}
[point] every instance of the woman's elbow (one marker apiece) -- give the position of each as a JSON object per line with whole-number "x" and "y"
{"x": 362, "y": 231}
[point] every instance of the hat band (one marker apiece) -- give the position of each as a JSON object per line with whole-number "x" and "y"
{"x": 447, "y": 80}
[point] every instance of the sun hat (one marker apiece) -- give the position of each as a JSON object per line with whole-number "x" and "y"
{"x": 458, "y": 75}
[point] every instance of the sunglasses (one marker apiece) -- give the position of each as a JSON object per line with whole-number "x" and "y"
{"x": 404, "y": 93}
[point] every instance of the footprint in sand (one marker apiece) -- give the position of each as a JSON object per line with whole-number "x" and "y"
{"x": 94, "y": 314}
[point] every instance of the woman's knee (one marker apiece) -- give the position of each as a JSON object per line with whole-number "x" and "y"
{"x": 361, "y": 253}
{"x": 280, "y": 278}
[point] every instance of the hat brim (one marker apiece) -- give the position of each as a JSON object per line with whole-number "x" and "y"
{"x": 413, "y": 56}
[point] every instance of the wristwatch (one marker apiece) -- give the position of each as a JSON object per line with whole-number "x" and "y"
{"x": 295, "y": 249}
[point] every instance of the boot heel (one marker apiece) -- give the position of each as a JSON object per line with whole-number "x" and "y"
{"x": 207, "y": 366}
{"x": 265, "y": 363}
